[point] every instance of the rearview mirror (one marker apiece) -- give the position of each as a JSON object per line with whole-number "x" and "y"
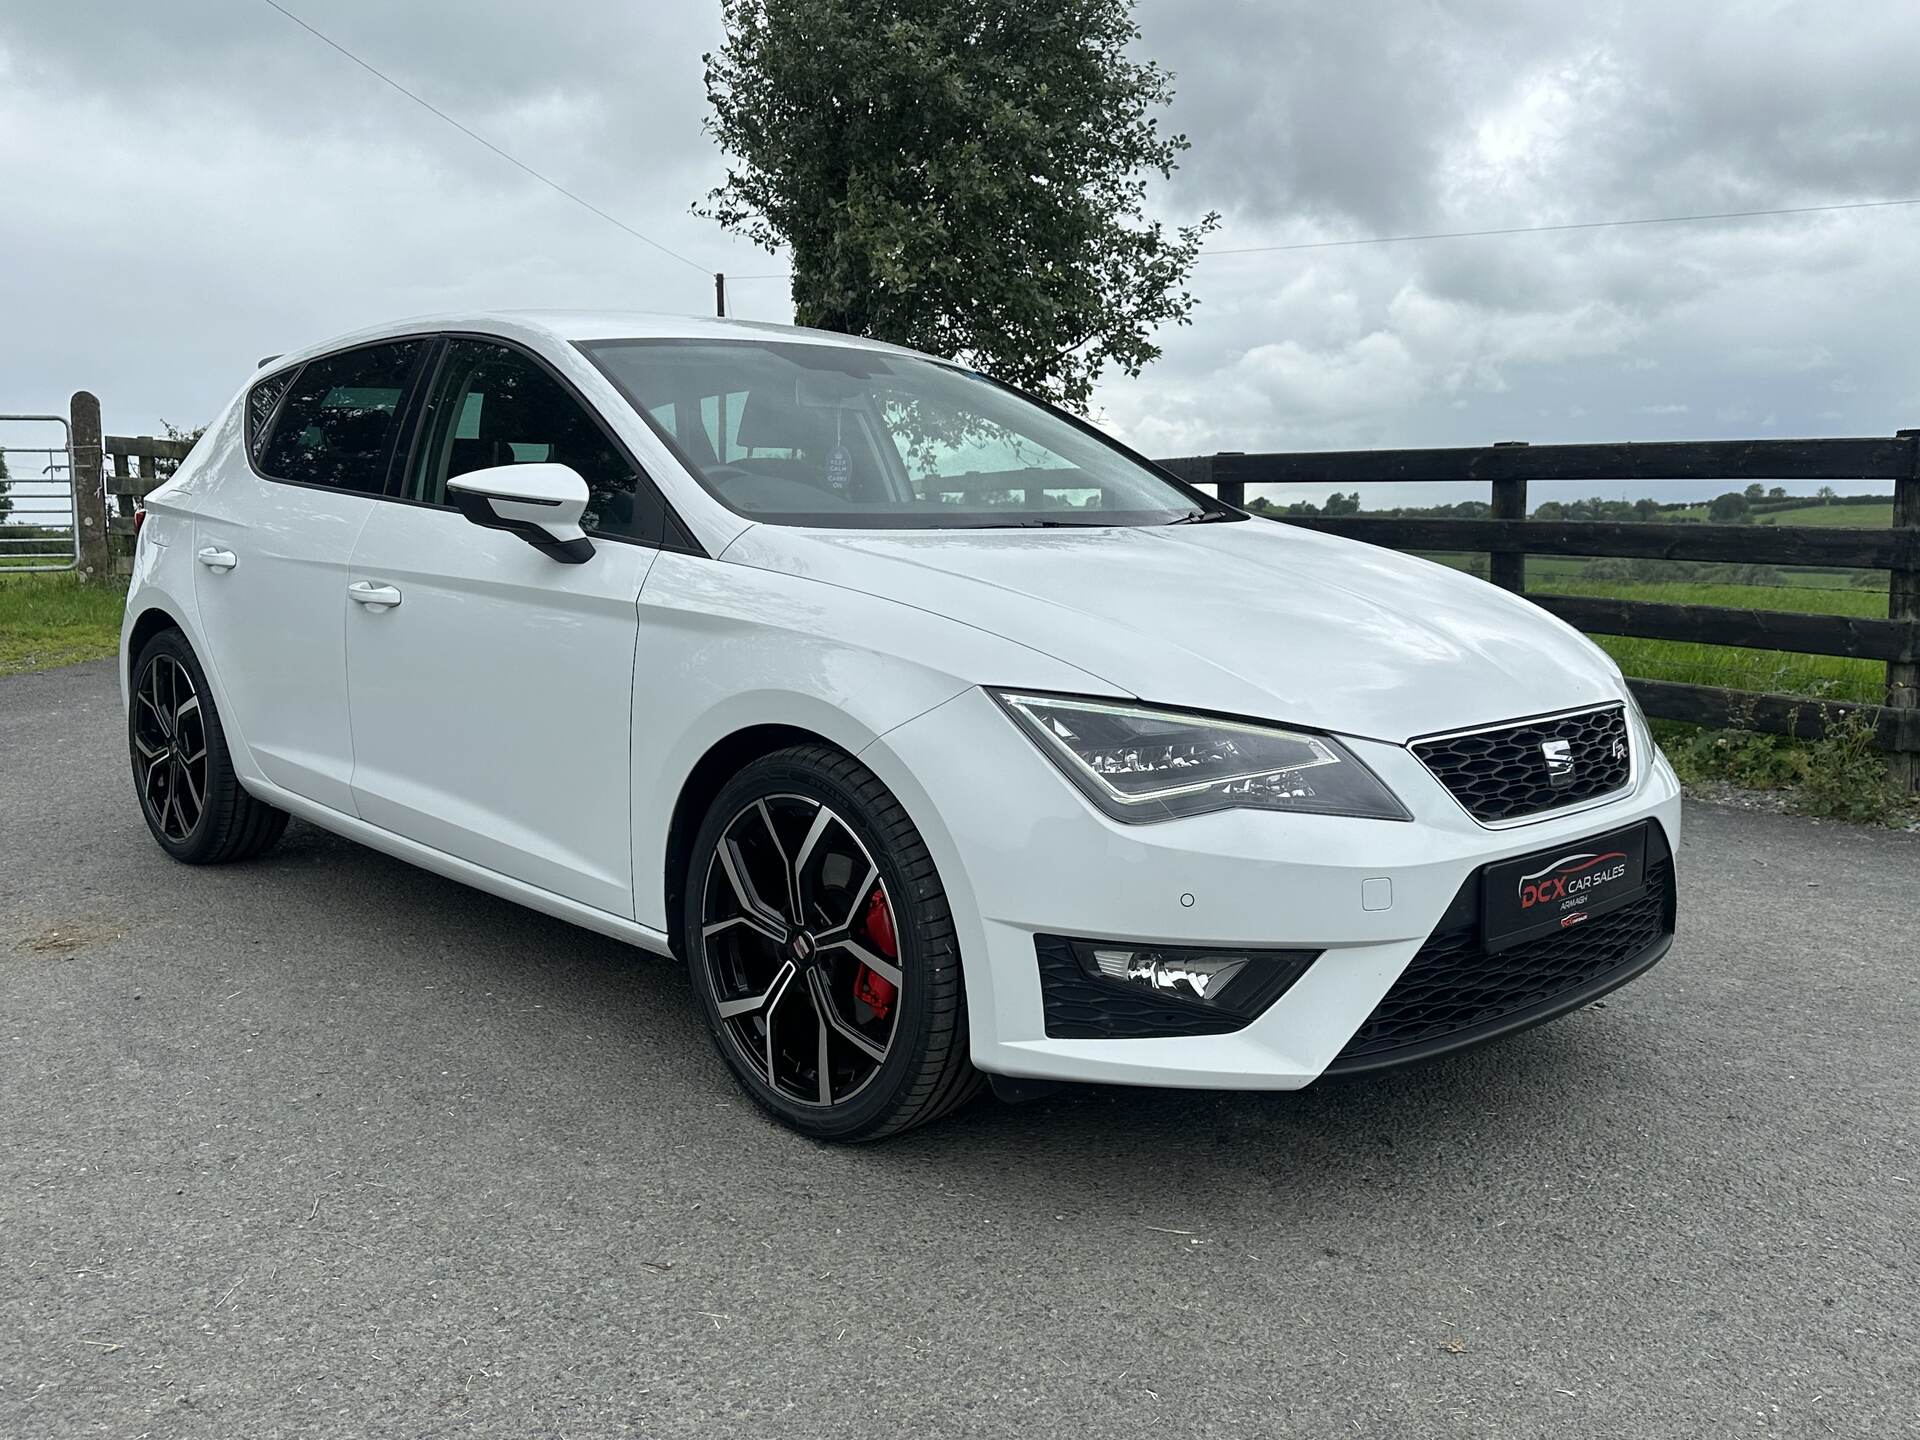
{"x": 541, "y": 503}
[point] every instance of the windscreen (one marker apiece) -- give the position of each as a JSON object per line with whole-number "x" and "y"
{"x": 825, "y": 435}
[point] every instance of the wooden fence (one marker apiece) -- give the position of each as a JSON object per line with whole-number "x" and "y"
{"x": 133, "y": 465}
{"x": 1508, "y": 537}
{"x": 112, "y": 474}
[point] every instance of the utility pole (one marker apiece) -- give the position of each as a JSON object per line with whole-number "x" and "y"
{"x": 720, "y": 293}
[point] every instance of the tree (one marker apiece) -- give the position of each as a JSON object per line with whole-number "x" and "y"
{"x": 966, "y": 177}
{"x": 1730, "y": 507}
{"x": 1778, "y": 492}
{"x": 6, "y": 495}
{"x": 1756, "y": 491}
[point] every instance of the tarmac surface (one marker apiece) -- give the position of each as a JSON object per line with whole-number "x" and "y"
{"x": 324, "y": 1145}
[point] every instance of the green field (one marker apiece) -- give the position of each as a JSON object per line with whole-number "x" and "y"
{"x": 48, "y": 620}
{"x": 1737, "y": 669}
{"x": 1850, "y": 517}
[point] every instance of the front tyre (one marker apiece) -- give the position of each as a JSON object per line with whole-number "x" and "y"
{"x": 191, "y": 798}
{"x": 822, "y": 950}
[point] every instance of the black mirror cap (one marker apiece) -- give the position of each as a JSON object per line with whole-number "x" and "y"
{"x": 479, "y": 509}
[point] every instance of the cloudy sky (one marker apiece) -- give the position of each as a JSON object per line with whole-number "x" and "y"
{"x": 187, "y": 187}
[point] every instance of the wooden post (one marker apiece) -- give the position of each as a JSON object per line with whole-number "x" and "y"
{"x": 1903, "y": 603}
{"x": 1232, "y": 492}
{"x": 1508, "y": 568}
{"x": 720, "y": 293}
{"x": 89, "y": 500}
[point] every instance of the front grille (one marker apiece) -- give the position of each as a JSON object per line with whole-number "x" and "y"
{"x": 1453, "y": 989}
{"x": 1502, "y": 773}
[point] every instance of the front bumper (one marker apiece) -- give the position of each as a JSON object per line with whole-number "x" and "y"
{"x": 1021, "y": 853}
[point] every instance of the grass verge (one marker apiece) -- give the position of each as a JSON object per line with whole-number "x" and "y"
{"x": 49, "y": 620}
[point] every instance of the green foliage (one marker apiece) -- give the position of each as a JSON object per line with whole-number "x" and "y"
{"x": 1841, "y": 776}
{"x": 6, "y": 497}
{"x": 963, "y": 176}
{"x": 1729, "y": 509}
{"x": 1846, "y": 777}
{"x": 1744, "y": 758}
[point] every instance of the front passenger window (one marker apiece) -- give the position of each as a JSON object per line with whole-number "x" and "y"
{"x": 493, "y": 405}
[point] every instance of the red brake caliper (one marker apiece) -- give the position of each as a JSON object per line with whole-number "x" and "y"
{"x": 873, "y": 990}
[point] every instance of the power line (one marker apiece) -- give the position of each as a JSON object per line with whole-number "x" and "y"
{"x": 1513, "y": 229}
{"x": 1543, "y": 229}
{"x": 481, "y": 139}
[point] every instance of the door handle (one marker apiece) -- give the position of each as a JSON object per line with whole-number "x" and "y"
{"x": 374, "y": 597}
{"x": 217, "y": 559}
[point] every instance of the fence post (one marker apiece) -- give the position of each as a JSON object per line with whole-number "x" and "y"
{"x": 1231, "y": 492}
{"x": 1903, "y": 603}
{"x": 89, "y": 500}
{"x": 1508, "y": 568}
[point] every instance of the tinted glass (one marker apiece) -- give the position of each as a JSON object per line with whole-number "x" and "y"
{"x": 260, "y": 402}
{"x": 337, "y": 424}
{"x": 801, "y": 434}
{"x": 491, "y": 405}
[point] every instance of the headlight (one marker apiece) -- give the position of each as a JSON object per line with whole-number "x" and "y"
{"x": 1140, "y": 764}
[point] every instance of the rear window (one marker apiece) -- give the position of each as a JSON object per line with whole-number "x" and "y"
{"x": 340, "y": 416}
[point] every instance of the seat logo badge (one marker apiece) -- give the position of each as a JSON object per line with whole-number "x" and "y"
{"x": 802, "y": 947}
{"x": 1559, "y": 757}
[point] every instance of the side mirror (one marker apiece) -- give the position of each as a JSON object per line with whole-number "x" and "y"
{"x": 541, "y": 503}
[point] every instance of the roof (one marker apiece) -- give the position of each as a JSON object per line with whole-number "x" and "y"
{"x": 575, "y": 325}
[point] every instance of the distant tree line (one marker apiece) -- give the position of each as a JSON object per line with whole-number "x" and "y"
{"x": 1736, "y": 507}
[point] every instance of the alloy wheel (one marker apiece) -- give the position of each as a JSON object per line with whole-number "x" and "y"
{"x": 170, "y": 748}
{"x": 800, "y": 948}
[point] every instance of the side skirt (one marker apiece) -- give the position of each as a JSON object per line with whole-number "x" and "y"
{"x": 465, "y": 871}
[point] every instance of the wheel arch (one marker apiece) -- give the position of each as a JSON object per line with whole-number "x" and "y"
{"x": 149, "y": 623}
{"x": 147, "y": 615}
{"x": 722, "y": 761}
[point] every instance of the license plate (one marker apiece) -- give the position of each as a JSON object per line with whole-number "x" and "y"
{"x": 1558, "y": 889}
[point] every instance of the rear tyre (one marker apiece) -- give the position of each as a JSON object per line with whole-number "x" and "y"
{"x": 182, "y": 774}
{"x": 822, "y": 950}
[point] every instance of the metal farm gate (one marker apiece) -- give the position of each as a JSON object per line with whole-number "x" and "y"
{"x": 39, "y": 511}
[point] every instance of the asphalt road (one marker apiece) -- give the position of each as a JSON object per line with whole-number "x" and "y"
{"x": 324, "y": 1145}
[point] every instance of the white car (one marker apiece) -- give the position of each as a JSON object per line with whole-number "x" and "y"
{"x": 939, "y": 735}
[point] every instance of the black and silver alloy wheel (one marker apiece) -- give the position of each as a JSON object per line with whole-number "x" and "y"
{"x": 191, "y": 798}
{"x": 170, "y": 748}
{"x": 801, "y": 948}
{"x": 822, "y": 949}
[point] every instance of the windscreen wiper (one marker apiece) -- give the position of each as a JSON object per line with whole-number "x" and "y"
{"x": 1027, "y": 525}
{"x": 1204, "y": 517}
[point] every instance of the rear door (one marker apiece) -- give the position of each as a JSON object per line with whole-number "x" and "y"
{"x": 271, "y": 549}
{"x": 492, "y": 706}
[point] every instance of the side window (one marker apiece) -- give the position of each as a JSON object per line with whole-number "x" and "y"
{"x": 337, "y": 424}
{"x": 493, "y": 405}
{"x": 260, "y": 402}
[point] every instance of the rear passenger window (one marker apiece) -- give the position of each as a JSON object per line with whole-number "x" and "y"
{"x": 337, "y": 424}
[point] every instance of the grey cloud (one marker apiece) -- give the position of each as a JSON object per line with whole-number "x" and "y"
{"x": 193, "y": 185}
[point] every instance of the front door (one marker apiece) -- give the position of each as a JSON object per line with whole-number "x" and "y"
{"x": 492, "y": 706}
{"x": 272, "y": 542}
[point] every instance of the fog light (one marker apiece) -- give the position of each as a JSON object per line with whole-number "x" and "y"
{"x": 1193, "y": 977}
{"x": 1240, "y": 982}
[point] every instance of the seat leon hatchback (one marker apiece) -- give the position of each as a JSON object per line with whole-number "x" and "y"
{"x": 941, "y": 737}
